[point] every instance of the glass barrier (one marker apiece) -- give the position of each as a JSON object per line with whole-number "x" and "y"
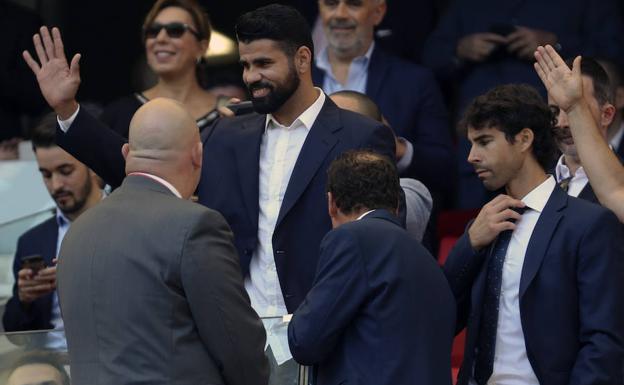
{"x": 27, "y": 358}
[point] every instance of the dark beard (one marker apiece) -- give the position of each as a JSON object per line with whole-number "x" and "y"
{"x": 276, "y": 96}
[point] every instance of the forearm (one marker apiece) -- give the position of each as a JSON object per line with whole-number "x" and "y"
{"x": 604, "y": 170}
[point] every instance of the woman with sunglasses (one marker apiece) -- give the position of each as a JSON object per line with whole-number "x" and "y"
{"x": 176, "y": 35}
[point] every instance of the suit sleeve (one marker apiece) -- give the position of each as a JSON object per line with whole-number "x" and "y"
{"x": 461, "y": 268}
{"x": 229, "y": 328}
{"x": 94, "y": 144}
{"x": 21, "y": 317}
{"x": 339, "y": 289}
{"x": 600, "y": 272}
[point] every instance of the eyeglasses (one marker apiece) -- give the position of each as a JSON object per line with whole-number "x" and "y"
{"x": 174, "y": 30}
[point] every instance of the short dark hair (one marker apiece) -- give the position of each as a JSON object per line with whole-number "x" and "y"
{"x": 44, "y": 133}
{"x": 362, "y": 179}
{"x": 366, "y": 106}
{"x": 511, "y": 108}
{"x": 280, "y": 23}
{"x": 199, "y": 16}
{"x": 604, "y": 91}
{"x": 41, "y": 358}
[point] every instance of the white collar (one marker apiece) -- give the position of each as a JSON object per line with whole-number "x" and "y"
{"x": 536, "y": 199}
{"x": 307, "y": 117}
{"x": 562, "y": 171}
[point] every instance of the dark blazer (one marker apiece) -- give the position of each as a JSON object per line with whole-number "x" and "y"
{"x": 41, "y": 240}
{"x": 230, "y": 181}
{"x": 410, "y": 99}
{"x": 380, "y": 310}
{"x": 151, "y": 292}
{"x": 571, "y": 294}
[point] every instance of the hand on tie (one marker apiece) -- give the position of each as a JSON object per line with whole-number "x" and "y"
{"x": 493, "y": 218}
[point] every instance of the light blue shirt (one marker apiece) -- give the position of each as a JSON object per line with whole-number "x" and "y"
{"x": 358, "y": 73}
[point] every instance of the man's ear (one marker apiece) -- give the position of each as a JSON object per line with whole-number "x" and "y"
{"x": 331, "y": 206}
{"x": 607, "y": 113}
{"x": 525, "y": 137}
{"x": 125, "y": 149}
{"x": 197, "y": 154}
{"x": 380, "y": 12}
{"x": 303, "y": 60}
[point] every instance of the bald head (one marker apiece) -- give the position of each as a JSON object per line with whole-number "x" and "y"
{"x": 357, "y": 102}
{"x": 164, "y": 140}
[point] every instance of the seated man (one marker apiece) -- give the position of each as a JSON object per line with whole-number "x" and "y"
{"x": 538, "y": 274}
{"x": 569, "y": 170}
{"x": 407, "y": 93}
{"x": 380, "y": 311}
{"x": 74, "y": 188}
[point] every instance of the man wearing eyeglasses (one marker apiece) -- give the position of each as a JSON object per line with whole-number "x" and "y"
{"x": 569, "y": 170}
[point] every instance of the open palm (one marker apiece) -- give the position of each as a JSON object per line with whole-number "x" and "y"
{"x": 564, "y": 85}
{"x": 57, "y": 80}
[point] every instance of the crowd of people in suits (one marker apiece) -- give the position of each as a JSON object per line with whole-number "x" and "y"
{"x": 304, "y": 245}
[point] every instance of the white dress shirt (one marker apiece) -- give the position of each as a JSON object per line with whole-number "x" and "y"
{"x": 617, "y": 138}
{"x": 578, "y": 181}
{"x": 279, "y": 150}
{"x": 511, "y": 364}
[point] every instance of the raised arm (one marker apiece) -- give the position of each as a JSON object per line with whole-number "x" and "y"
{"x": 604, "y": 170}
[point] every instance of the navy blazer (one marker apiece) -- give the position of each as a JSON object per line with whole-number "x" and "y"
{"x": 571, "y": 294}
{"x": 230, "y": 181}
{"x": 41, "y": 240}
{"x": 230, "y": 184}
{"x": 380, "y": 311}
{"x": 410, "y": 99}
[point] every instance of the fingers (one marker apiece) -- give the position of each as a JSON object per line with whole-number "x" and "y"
{"x": 554, "y": 57}
{"x": 74, "y": 67}
{"x": 59, "y": 50}
{"x": 225, "y": 112}
{"x": 41, "y": 54}
{"x": 542, "y": 75}
{"x": 48, "y": 44}
{"x": 34, "y": 66}
{"x": 576, "y": 66}
{"x": 494, "y": 38}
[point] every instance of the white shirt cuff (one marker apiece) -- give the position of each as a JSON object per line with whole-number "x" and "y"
{"x": 406, "y": 160}
{"x": 65, "y": 124}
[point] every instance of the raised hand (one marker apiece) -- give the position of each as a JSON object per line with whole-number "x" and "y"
{"x": 57, "y": 80}
{"x": 564, "y": 85}
{"x": 493, "y": 218}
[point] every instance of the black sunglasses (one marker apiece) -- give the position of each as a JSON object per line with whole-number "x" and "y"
{"x": 174, "y": 30}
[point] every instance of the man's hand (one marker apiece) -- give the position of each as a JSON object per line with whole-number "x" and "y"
{"x": 478, "y": 46}
{"x": 31, "y": 286}
{"x": 524, "y": 41}
{"x": 57, "y": 80}
{"x": 493, "y": 218}
{"x": 565, "y": 86}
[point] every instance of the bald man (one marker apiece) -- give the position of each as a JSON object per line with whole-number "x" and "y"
{"x": 150, "y": 285}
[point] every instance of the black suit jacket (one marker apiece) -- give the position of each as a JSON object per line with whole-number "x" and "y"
{"x": 230, "y": 184}
{"x": 571, "y": 294}
{"x": 410, "y": 99}
{"x": 41, "y": 240}
{"x": 380, "y": 310}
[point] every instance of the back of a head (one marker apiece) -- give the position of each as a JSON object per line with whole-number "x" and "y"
{"x": 43, "y": 134}
{"x": 511, "y": 108}
{"x": 161, "y": 138}
{"x": 357, "y": 102}
{"x": 280, "y": 23}
{"x": 361, "y": 179}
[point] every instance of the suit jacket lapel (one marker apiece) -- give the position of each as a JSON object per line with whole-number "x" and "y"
{"x": 587, "y": 193}
{"x": 49, "y": 242}
{"x": 319, "y": 142}
{"x": 540, "y": 239}
{"x": 248, "y": 165}
{"x": 376, "y": 73}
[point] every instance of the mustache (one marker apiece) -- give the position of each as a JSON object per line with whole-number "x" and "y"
{"x": 61, "y": 193}
{"x": 562, "y": 132}
{"x": 259, "y": 85}
{"x": 341, "y": 23}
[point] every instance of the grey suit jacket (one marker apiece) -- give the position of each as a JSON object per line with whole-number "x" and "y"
{"x": 151, "y": 292}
